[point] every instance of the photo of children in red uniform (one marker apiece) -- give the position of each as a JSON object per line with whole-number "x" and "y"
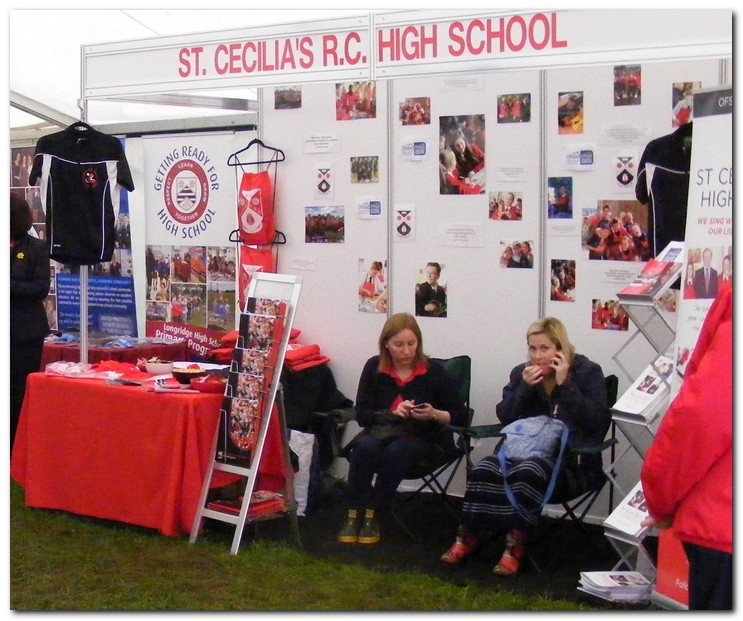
{"x": 616, "y": 231}
{"x": 514, "y": 108}
{"x": 462, "y": 154}
{"x": 355, "y": 100}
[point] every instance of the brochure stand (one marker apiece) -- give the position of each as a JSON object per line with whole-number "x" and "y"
{"x": 251, "y": 414}
{"x": 654, "y": 326}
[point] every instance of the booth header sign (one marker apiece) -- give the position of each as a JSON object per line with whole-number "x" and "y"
{"x": 312, "y": 51}
{"x": 424, "y": 42}
{"x": 400, "y": 43}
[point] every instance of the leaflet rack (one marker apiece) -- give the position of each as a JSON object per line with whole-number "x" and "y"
{"x": 252, "y": 410}
{"x": 653, "y": 325}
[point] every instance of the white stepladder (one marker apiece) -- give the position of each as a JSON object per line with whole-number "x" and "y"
{"x": 239, "y": 422}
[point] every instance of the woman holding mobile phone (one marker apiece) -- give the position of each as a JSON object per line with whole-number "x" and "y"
{"x": 403, "y": 401}
{"x": 555, "y": 381}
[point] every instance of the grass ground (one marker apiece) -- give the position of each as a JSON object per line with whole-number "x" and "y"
{"x": 64, "y": 562}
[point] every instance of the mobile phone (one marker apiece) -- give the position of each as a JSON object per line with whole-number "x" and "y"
{"x": 420, "y": 406}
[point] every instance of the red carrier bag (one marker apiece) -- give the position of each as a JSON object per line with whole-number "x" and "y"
{"x": 253, "y": 260}
{"x": 255, "y": 215}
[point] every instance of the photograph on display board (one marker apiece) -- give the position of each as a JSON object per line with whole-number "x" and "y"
{"x": 415, "y": 111}
{"x": 505, "y": 206}
{"x": 559, "y": 197}
{"x": 517, "y": 254}
{"x": 157, "y": 264}
{"x": 40, "y": 230}
{"x": 121, "y": 263}
{"x": 462, "y": 154}
{"x": 707, "y": 269}
{"x": 123, "y": 231}
{"x": 514, "y": 108}
{"x": 33, "y": 198}
{"x": 21, "y": 160}
{"x": 189, "y": 264}
{"x": 220, "y": 303}
{"x": 608, "y": 315}
{"x": 158, "y": 311}
{"x": 627, "y": 85}
{"x": 668, "y": 301}
{"x": 562, "y": 280}
{"x": 682, "y": 102}
{"x": 570, "y": 112}
{"x": 431, "y": 291}
{"x": 50, "y": 306}
{"x": 221, "y": 263}
{"x": 287, "y": 97}
{"x": 52, "y": 279}
{"x": 617, "y": 230}
{"x": 324, "y": 224}
{"x": 355, "y": 100}
{"x": 188, "y": 304}
{"x": 372, "y": 291}
{"x": 365, "y": 169}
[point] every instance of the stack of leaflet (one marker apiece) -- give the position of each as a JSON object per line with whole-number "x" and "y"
{"x": 616, "y": 586}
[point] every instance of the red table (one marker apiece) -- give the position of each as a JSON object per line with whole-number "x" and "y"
{"x": 70, "y": 352}
{"x": 115, "y": 452}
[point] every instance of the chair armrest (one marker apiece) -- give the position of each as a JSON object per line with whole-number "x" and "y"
{"x": 466, "y": 435}
{"x": 477, "y": 431}
{"x": 596, "y": 449}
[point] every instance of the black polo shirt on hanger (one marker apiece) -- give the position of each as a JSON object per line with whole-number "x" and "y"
{"x": 80, "y": 170}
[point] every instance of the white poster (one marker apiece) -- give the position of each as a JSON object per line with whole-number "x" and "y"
{"x": 708, "y": 243}
{"x": 190, "y": 190}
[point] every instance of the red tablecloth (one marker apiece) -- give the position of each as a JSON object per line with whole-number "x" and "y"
{"x": 116, "y": 452}
{"x": 70, "y": 352}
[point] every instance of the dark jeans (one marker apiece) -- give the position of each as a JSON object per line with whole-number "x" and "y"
{"x": 390, "y": 460}
{"x": 710, "y": 578}
{"x": 25, "y": 358}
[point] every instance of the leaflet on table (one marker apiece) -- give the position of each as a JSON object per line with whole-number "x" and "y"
{"x": 618, "y": 586}
{"x": 641, "y": 400}
{"x": 626, "y": 519}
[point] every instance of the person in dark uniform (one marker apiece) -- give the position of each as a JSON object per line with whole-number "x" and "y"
{"x": 430, "y": 296}
{"x": 29, "y": 285}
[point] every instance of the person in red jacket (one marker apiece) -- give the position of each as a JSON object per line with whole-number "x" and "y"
{"x": 687, "y": 475}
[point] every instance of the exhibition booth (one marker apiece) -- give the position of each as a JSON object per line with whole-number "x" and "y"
{"x": 354, "y": 126}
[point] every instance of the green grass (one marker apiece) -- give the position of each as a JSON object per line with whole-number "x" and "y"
{"x": 60, "y": 561}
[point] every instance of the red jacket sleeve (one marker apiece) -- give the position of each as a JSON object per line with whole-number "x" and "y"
{"x": 687, "y": 472}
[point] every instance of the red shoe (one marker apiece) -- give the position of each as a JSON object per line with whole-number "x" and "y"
{"x": 460, "y": 550}
{"x": 508, "y": 565}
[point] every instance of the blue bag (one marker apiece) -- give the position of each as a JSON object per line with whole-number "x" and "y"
{"x": 529, "y": 438}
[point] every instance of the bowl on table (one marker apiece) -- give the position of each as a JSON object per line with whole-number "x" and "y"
{"x": 159, "y": 368}
{"x": 185, "y": 375}
{"x": 209, "y": 383}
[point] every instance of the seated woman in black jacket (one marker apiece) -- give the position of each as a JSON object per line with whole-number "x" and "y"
{"x": 402, "y": 403}
{"x": 558, "y": 382}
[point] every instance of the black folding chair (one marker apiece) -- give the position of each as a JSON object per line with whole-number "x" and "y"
{"x": 431, "y": 471}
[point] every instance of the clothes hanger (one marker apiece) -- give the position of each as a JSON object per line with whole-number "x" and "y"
{"x": 279, "y": 239}
{"x": 277, "y": 156}
{"x": 79, "y": 126}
